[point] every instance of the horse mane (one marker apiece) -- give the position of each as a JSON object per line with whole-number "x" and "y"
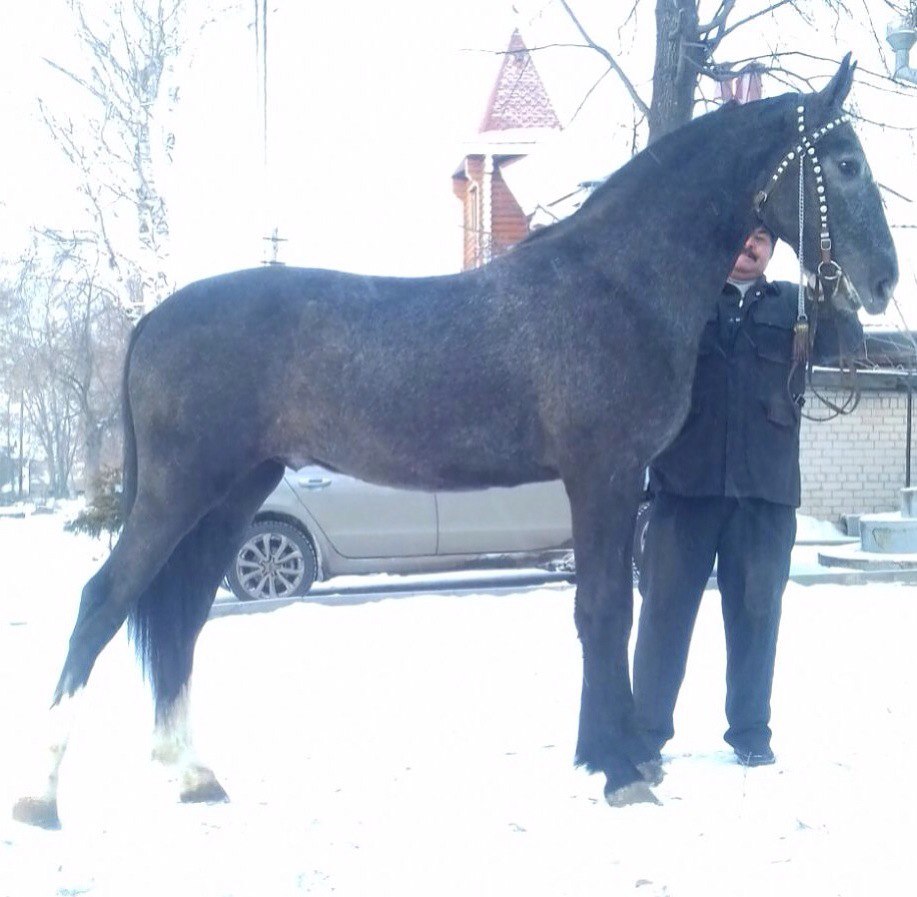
{"x": 694, "y": 139}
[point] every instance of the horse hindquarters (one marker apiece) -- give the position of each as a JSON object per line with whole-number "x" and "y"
{"x": 603, "y": 525}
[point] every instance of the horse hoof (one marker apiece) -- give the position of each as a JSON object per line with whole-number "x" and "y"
{"x": 201, "y": 787}
{"x": 652, "y": 771}
{"x": 37, "y": 811}
{"x": 632, "y": 793}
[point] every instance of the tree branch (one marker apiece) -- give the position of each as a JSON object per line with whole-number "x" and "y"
{"x": 612, "y": 62}
{"x": 755, "y": 15}
{"x": 588, "y": 94}
{"x": 719, "y": 18}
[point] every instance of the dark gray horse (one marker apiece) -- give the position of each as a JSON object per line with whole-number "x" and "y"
{"x": 571, "y": 356}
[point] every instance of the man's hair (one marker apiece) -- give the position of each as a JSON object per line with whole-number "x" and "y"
{"x": 769, "y": 232}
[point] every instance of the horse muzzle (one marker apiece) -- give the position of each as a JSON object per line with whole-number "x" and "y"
{"x": 880, "y": 296}
{"x": 882, "y": 282}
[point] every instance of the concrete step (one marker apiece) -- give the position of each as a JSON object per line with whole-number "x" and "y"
{"x": 889, "y": 533}
{"x": 855, "y": 558}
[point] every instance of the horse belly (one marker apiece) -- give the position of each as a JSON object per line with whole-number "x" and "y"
{"x": 422, "y": 449}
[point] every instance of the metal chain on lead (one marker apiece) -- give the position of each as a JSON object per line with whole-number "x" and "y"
{"x": 801, "y": 302}
{"x": 827, "y": 271}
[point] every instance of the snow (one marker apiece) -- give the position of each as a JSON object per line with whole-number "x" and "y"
{"x": 809, "y": 530}
{"x": 423, "y": 746}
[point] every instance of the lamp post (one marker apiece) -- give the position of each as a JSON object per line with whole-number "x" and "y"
{"x": 901, "y": 37}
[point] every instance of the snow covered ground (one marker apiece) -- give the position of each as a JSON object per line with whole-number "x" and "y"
{"x": 422, "y": 746}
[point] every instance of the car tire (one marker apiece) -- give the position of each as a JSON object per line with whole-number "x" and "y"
{"x": 275, "y": 560}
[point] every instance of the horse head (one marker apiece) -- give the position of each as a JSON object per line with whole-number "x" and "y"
{"x": 845, "y": 236}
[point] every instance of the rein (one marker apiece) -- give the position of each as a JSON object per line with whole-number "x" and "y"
{"x": 852, "y": 397}
{"x": 828, "y": 277}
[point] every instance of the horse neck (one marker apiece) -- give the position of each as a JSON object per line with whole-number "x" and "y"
{"x": 691, "y": 196}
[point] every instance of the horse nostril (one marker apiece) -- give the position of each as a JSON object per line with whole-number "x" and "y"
{"x": 885, "y": 288}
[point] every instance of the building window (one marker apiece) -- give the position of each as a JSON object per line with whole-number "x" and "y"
{"x": 474, "y": 225}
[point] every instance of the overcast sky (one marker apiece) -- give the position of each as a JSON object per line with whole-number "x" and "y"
{"x": 369, "y": 105}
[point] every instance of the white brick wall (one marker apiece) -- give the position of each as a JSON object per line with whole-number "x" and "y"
{"x": 855, "y": 464}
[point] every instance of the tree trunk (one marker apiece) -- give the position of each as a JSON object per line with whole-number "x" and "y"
{"x": 678, "y": 60}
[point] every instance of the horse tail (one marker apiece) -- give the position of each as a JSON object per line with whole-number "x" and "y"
{"x": 166, "y": 618}
{"x": 129, "y": 466}
{"x": 165, "y": 621}
{"x": 154, "y": 623}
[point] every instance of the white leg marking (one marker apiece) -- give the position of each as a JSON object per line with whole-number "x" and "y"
{"x": 172, "y": 740}
{"x": 39, "y": 805}
{"x": 173, "y": 747}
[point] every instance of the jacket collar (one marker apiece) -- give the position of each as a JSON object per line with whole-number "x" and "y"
{"x": 761, "y": 286}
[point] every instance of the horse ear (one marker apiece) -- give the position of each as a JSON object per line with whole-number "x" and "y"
{"x": 835, "y": 92}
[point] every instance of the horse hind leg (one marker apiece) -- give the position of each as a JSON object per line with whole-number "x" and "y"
{"x": 156, "y": 524}
{"x": 39, "y": 806}
{"x": 145, "y": 544}
{"x": 166, "y": 622}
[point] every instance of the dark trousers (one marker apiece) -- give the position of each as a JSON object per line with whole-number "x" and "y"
{"x": 751, "y": 540}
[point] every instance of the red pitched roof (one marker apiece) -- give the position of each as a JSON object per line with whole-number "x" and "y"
{"x": 519, "y": 99}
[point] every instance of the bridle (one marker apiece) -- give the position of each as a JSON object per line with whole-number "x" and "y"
{"x": 828, "y": 275}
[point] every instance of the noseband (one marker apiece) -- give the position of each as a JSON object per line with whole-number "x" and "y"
{"x": 828, "y": 273}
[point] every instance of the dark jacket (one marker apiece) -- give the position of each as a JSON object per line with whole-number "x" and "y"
{"x": 741, "y": 436}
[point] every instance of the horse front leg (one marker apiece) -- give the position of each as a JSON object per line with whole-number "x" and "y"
{"x": 603, "y": 506}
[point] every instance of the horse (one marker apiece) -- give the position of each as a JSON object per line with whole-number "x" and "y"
{"x": 570, "y": 356}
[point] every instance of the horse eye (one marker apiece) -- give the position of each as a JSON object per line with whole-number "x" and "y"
{"x": 849, "y": 167}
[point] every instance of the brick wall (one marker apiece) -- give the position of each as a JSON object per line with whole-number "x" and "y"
{"x": 508, "y": 224}
{"x": 855, "y": 464}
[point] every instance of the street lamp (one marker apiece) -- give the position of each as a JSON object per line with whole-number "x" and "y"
{"x": 901, "y": 38}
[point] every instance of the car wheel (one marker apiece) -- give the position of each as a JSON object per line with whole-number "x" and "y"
{"x": 642, "y": 520}
{"x": 276, "y": 560}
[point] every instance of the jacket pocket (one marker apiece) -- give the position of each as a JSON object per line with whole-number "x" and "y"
{"x": 781, "y": 410}
{"x": 774, "y": 343}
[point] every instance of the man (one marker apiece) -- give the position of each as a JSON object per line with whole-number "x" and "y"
{"x": 727, "y": 489}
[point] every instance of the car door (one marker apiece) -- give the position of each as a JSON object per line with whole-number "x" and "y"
{"x": 524, "y": 518}
{"x": 362, "y": 520}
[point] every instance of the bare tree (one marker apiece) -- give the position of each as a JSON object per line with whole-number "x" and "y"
{"x": 32, "y": 342}
{"x": 688, "y": 44}
{"x": 62, "y": 338}
{"x": 117, "y": 147}
{"x": 12, "y": 381}
{"x": 96, "y": 335}
{"x": 905, "y": 10}
{"x": 80, "y": 289}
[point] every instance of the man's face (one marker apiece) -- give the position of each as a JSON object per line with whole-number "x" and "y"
{"x": 755, "y": 255}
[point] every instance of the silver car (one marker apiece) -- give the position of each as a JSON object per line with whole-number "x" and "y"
{"x": 317, "y": 524}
